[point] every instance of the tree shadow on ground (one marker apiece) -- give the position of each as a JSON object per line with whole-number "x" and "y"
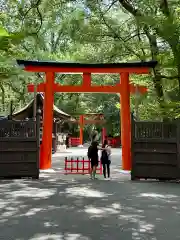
{"x": 65, "y": 207}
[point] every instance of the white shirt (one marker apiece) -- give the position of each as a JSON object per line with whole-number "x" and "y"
{"x": 108, "y": 149}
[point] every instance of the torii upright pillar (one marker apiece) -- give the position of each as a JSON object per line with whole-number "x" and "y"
{"x": 46, "y": 147}
{"x": 125, "y": 121}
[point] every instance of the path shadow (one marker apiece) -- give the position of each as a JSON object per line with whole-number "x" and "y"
{"x": 60, "y": 207}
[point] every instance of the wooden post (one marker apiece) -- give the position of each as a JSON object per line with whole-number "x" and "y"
{"x": 125, "y": 122}
{"x": 10, "y": 117}
{"x": 81, "y": 121}
{"x": 37, "y": 131}
{"x": 137, "y": 96}
{"x": 35, "y": 102}
{"x": 46, "y": 149}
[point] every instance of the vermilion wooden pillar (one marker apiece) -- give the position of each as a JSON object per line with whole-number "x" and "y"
{"x": 81, "y": 121}
{"x": 125, "y": 121}
{"x": 103, "y": 134}
{"x": 46, "y": 147}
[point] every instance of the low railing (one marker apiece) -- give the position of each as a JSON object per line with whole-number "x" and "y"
{"x": 79, "y": 166}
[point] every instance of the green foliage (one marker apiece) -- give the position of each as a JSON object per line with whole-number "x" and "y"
{"x": 93, "y": 31}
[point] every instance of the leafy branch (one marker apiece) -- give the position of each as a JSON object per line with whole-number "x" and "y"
{"x": 34, "y": 6}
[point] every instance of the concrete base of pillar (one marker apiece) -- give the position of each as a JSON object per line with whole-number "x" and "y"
{"x": 125, "y": 172}
{"x": 50, "y": 170}
{"x": 81, "y": 146}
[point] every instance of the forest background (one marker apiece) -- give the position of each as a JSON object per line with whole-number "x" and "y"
{"x": 93, "y": 31}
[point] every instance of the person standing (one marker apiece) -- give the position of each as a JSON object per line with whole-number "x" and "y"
{"x": 67, "y": 140}
{"x": 93, "y": 157}
{"x": 106, "y": 159}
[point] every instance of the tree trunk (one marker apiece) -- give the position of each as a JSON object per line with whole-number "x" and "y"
{"x": 3, "y": 97}
{"x": 157, "y": 79}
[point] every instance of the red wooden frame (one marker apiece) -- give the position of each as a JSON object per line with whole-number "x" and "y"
{"x": 89, "y": 118}
{"x": 123, "y": 87}
{"x": 78, "y": 166}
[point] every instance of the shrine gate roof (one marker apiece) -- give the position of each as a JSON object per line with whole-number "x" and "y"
{"x": 79, "y": 68}
{"x": 26, "y": 63}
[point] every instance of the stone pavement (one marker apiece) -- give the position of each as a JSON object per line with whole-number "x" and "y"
{"x": 74, "y": 207}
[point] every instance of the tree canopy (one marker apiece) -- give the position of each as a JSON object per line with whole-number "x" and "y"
{"x": 93, "y": 31}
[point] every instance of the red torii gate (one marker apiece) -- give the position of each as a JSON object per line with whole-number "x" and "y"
{"x": 88, "y": 118}
{"x": 123, "y": 87}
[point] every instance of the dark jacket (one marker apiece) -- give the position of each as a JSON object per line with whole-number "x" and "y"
{"x": 93, "y": 151}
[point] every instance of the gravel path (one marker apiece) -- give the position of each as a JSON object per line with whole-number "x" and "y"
{"x": 73, "y": 207}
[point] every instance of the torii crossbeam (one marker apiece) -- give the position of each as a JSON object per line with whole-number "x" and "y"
{"x": 123, "y": 88}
